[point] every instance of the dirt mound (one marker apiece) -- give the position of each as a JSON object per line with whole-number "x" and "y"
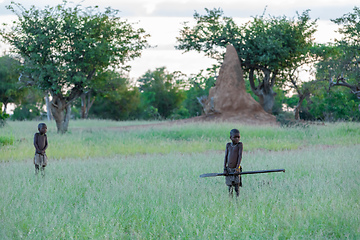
{"x": 228, "y": 99}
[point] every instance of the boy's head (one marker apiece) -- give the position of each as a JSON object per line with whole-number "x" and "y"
{"x": 235, "y": 136}
{"x": 42, "y": 128}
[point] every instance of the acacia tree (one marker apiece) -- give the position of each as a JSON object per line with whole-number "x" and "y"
{"x": 265, "y": 46}
{"x": 63, "y": 48}
{"x": 341, "y": 65}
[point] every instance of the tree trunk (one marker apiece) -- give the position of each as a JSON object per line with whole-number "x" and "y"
{"x": 297, "y": 108}
{"x": 86, "y": 103}
{"x": 83, "y": 105}
{"x": 264, "y": 90}
{"x": 61, "y": 112}
{"x": 48, "y": 107}
{"x": 266, "y": 99}
{"x": 5, "y": 106}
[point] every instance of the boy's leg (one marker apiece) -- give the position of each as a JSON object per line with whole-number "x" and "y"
{"x": 230, "y": 190}
{"x": 36, "y": 169}
{"x": 237, "y": 189}
{"x": 43, "y": 171}
{"x": 43, "y": 162}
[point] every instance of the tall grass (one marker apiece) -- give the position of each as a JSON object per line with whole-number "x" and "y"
{"x": 95, "y": 138}
{"x": 160, "y": 196}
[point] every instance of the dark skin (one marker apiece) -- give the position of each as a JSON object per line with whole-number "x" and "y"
{"x": 235, "y": 138}
{"x": 42, "y": 131}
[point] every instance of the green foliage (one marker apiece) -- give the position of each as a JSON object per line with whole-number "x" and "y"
{"x": 180, "y": 113}
{"x": 274, "y": 43}
{"x": 340, "y": 61}
{"x": 29, "y": 105}
{"x": 161, "y": 92}
{"x": 198, "y": 87}
{"x": 26, "y": 112}
{"x": 65, "y": 47}
{"x": 115, "y": 98}
{"x": 350, "y": 26}
{"x": 10, "y": 90}
{"x": 124, "y": 107}
{"x": 336, "y": 105}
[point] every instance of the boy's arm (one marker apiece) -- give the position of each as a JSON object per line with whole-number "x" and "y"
{"x": 35, "y": 143}
{"x": 226, "y": 156}
{"x": 46, "y": 144}
{"x": 239, "y": 156}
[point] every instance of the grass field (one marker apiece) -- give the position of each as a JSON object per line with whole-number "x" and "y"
{"x": 106, "y": 180}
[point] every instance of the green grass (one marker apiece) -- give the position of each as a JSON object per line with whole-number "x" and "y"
{"x": 95, "y": 138}
{"x": 147, "y": 193}
{"x": 161, "y": 197}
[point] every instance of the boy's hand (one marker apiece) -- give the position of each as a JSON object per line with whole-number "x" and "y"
{"x": 226, "y": 171}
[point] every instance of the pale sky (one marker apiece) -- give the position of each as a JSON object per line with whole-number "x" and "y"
{"x": 163, "y": 19}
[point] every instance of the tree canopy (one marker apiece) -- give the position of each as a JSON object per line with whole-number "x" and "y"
{"x": 63, "y": 48}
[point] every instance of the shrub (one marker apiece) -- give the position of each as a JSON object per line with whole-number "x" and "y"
{"x": 5, "y": 140}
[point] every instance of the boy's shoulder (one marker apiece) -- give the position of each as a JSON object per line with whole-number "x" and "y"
{"x": 230, "y": 144}
{"x": 38, "y": 134}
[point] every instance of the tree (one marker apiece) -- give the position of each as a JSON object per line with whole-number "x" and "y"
{"x": 341, "y": 65}
{"x": 63, "y": 48}
{"x": 266, "y": 46}
{"x": 161, "y": 92}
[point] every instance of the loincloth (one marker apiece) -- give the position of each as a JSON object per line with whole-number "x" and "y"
{"x": 234, "y": 179}
{"x": 40, "y": 159}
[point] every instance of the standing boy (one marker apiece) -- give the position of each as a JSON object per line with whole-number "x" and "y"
{"x": 41, "y": 144}
{"x": 233, "y": 155}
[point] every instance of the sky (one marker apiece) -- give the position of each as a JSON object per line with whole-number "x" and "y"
{"x": 163, "y": 19}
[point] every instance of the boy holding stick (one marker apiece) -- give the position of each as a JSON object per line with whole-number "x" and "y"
{"x": 233, "y": 156}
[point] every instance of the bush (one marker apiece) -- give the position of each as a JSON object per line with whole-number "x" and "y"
{"x": 180, "y": 113}
{"x": 4, "y": 140}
